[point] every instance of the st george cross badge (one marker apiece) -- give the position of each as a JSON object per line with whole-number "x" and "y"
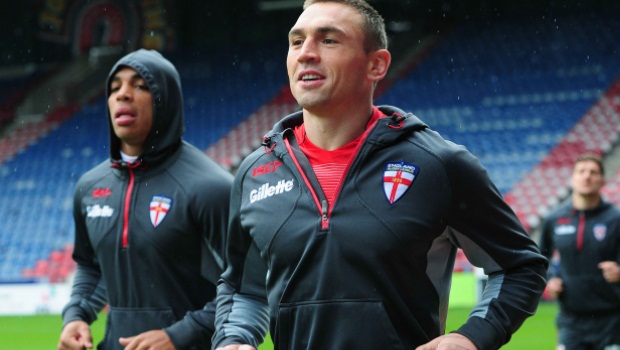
{"x": 397, "y": 177}
{"x": 160, "y": 205}
{"x": 600, "y": 231}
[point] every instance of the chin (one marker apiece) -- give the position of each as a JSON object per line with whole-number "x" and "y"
{"x": 309, "y": 103}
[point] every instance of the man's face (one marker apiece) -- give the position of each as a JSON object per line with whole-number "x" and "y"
{"x": 587, "y": 178}
{"x": 131, "y": 109}
{"x": 327, "y": 65}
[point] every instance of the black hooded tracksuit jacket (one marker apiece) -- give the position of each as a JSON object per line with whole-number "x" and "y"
{"x": 586, "y": 292}
{"x": 372, "y": 271}
{"x": 150, "y": 235}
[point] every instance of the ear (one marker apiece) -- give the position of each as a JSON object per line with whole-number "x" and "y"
{"x": 378, "y": 64}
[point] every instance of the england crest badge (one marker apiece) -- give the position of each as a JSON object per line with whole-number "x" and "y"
{"x": 397, "y": 178}
{"x": 160, "y": 205}
{"x": 600, "y": 231}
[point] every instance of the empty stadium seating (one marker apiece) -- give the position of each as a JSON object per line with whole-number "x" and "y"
{"x": 12, "y": 91}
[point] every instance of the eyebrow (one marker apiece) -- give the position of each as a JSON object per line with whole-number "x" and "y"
{"x": 322, "y": 30}
{"x": 133, "y": 77}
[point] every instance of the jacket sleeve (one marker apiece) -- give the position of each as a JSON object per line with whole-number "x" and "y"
{"x": 492, "y": 238}
{"x": 547, "y": 247}
{"x": 88, "y": 297}
{"x": 88, "y": 293}
{"x": 242, "y": 315}
{"x": 196, "y": 328}
{"x": 211, "y": 211}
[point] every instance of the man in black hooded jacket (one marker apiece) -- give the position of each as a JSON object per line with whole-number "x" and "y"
{"x": 373, "y": 205}
{"x": 584, "y": 231}
{"x": 150, "y": 222}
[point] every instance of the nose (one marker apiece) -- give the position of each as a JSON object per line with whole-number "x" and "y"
{"x": 124, "y": 92}
{"x": 308, "y": 51}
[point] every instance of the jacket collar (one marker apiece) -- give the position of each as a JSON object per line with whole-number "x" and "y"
{"x": 396, "y": 125}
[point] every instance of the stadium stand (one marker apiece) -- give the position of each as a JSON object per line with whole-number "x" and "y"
{"x": 523, "y": 96}
{"x": 221, "y": 89}
{"x": 548, "y": 182}
{"x": 511, "y": 90}
{"x": 13, "y": 90}
{"x": 37, "y": 201}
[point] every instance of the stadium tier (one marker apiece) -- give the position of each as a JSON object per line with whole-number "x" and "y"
{"x": 12, "y": 91}
{"x": 523, "y": 96}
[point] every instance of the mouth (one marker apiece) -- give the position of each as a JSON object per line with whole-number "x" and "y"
{"x": 124, "y": 116}
{"x": 308, "y": 76}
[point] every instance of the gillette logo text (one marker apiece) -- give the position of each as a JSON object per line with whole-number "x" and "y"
{"x": 267, "y": 190}
{"x": 97, "y": 211}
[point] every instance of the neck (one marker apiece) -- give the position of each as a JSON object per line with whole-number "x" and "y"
{"x": 131, "y": 150}
{"x": 584, "y": 202}
{"x": 335, "y": 131}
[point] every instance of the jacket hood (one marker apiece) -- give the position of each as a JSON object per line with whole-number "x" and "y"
{"x": 164, "y": 84}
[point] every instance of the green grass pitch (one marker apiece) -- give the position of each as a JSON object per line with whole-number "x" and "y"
{"x": 41, "y": 332}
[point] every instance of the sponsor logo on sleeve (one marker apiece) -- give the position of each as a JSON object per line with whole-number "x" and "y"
{"x": 397, "y": 178}
{"x": 159, "y": 207}
{"x": 267, "y": 190}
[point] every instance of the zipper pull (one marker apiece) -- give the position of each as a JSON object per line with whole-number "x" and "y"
{"x": 324, "y": 209}
{"x": 324, "y": 220}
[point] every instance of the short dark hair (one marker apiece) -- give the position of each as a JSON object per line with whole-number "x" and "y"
{"x": 374, "y": 26}
{"x": 594, "y": 158}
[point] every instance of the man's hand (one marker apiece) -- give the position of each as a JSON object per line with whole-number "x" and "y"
{"x": 237, "y": 347}
{"x": 75, "y": 336}
{"x": 151, "y": 340}
{"x": 450, "y": 341}
{"x": 611, "y": 271}
{"x": 555, "y": 286}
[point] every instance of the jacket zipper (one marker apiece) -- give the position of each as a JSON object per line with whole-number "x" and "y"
{"x": 580, "y": 229}
{"x": 126, "y": 209}
{"x": 322, "y": 205}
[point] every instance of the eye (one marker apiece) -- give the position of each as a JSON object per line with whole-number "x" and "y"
{"x": 296, "y": 42}
{"x": 142, "y": 86}
{"x": 329, "y": 41}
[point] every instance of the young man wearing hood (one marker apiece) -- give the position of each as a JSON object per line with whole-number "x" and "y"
{"x": 150, "y": 222}
{"x": 372, "y": 206}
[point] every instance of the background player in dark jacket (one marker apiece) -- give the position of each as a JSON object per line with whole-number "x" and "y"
{"x": 345, "y": 225}
{"x": 150, "y": 222}
{"x": 585, "y": 231}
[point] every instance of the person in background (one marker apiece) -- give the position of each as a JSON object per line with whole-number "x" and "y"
{"x": 344, "y": 226}
{"x": 584, "y": 234}
{"x": 150, "y": 222}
